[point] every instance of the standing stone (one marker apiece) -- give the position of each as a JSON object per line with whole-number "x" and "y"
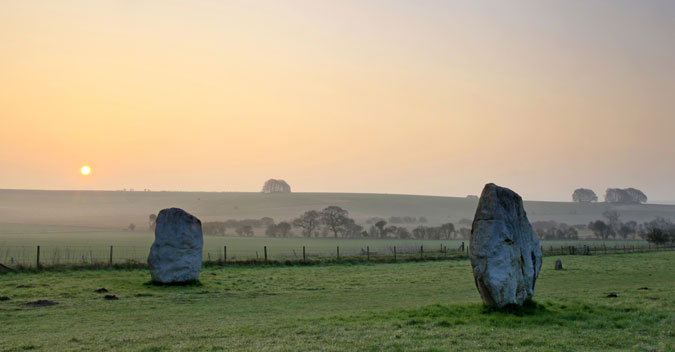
{"x": 176, "y": 254}
{"x": 505, "y": 253}
{"x": 558, "y": 265}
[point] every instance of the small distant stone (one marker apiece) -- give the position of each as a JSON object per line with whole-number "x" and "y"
{"x": 643, "y": 288}
{"x": 214, "y": 274}
{"x": 612, "y": 295}
{"x": 4, "y": 298}
{"x": 558, "y": 265}
{"x": 24, "y": 286}
{"x": 41, "y": 303}
{"x": 101, "y": 290}
{"x": 111, "y": 297}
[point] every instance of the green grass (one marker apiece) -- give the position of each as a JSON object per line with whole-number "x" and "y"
{"x": 423, "y": 306}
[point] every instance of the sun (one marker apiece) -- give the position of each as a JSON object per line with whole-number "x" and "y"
{"x": 85, "y": 170}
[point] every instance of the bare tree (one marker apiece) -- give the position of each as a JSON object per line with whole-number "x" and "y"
{"x": 334, "y": 218}
{"x": 152, "y": 222}
{"x": 308, "y": 222}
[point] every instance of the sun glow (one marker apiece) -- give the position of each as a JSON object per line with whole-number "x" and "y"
{"x": 85, "y": 170}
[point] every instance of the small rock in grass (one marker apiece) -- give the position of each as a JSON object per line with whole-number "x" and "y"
{"x": 612, "y": 295}
{"x": 41, "y": 303}
{"x": 101, "y": 290}
{"x": 558, "y": 265}
{"x": 4, "y": 298}
{"x": 24, "y": 286}
{"x": 643, "y": 288}
{"x": 111, "y": 297}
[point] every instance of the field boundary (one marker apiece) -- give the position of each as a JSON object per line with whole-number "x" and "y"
{"x": 308, "y": 259}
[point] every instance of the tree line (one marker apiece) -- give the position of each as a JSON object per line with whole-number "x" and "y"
{"x": 612, "y": 195}
{"x": 332, "y": 221}
{"x": 658, "y": 231}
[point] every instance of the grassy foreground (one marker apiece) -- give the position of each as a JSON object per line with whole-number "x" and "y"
{"x": 429, "y": 306}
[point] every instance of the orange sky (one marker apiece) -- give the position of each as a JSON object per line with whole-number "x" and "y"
{"x": 419, "y": 97}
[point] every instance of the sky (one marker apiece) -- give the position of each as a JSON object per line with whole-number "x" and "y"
{"x": 409, "y": 97}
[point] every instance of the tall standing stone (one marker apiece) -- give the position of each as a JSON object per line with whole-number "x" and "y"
{"x": 176, "y": 254}
{"x": 505, "y": 252}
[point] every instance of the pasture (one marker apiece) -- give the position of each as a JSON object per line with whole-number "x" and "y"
{"x": 412, "y": 306}
{"x": 81, "y": 245}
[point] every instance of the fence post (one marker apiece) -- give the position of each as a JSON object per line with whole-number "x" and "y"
{"x": 225, "y": 254}
{"x": 421, "y": 251}
{"x": 303, "y": 254}
{"x": 265, "y": 250}
{"x": 394, "y": 253}
{"x": 111, "y": 253}
{"x": 338, "y": 252}
{"x": 368, "y": 253}
{"x": 37, "y": 262}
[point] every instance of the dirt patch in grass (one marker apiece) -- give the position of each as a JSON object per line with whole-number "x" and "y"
{"x": 41, "y": 303}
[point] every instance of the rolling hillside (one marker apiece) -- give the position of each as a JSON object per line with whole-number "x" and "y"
{"x": 111, "y": 209}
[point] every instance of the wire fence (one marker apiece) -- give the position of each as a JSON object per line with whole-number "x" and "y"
{"x": 54, "y": 256}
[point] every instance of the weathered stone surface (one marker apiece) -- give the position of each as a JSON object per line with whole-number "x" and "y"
{"x": 558, "y": 265}
{"x": 505, "y": 252}
{"x": 176, "y": 254}
{"x": 276, "y": 186}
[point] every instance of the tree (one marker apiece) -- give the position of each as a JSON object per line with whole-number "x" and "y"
{"x": 284, "y": 229}
{"x": 422, "y": 220}
{"x": 584, "y": 195}
{"x": 308, "y": 222}
{"x": 658, "y": 231}
{"x": 152, "y": 222}
{"x": 245, "y": 231}
{"x": 132, "y": 227}
{"x": 636, "y": 195}
{"x": 334, "y": 218}
{"x": 612, "y": 217}
{"x": 447, "y": 230}
{"x": 601, "y": 229}
{"x": 627, "y": 229}
{"x": 381, "y": 228}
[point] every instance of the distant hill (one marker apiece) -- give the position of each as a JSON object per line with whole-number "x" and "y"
{"x": 116, "y": 209}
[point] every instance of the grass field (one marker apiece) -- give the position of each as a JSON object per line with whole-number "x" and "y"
{"x": 418, "y": 306}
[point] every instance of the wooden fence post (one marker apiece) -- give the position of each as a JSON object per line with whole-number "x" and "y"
{"x": 38, "y": 257}
{"x": 394, "y": 253}
{"x": 111, "y": 254}
{"x": 265, "y": 250}
{"x": 368, "y": 253}
{"x": 303, "y": 254}
{"x": 421, "y": 251}
{"x": 338, "y": 252}
{"x": 225, "y": 254}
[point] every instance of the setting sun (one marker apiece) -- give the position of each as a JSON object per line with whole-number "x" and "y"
{"x": 85, "y": 170}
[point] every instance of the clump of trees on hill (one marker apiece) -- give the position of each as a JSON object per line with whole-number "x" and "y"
{"x": 626, "y": 195}
{"x": 584, "y": 195}
{"x": 612, "y": 195}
